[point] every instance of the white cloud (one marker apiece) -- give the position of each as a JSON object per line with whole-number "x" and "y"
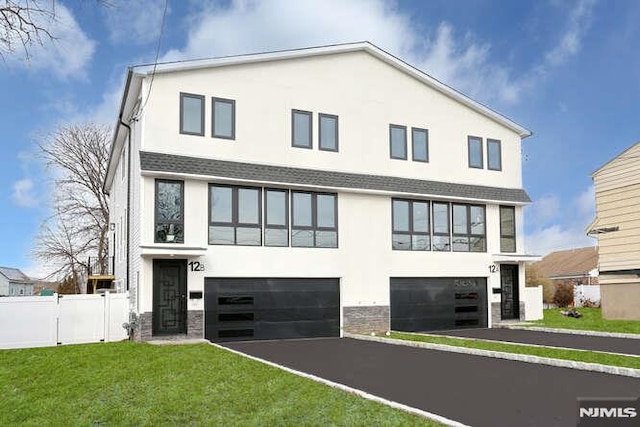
{"x": 135, "y": 22}
{"x": 23, "y": 193}
{"x": 571, "y": 41}
{"x": 67, "y": 54}
{"x": 558, "y": 225}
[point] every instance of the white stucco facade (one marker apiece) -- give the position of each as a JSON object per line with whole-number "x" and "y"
{"x": 368, "y": 94}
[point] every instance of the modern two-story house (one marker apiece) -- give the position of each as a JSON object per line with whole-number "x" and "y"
{"x": 308, "y": 192}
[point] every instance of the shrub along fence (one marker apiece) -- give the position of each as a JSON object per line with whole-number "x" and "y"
{"x": 43, "y": 321}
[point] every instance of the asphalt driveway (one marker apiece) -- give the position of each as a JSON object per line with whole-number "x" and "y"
{"x": 474, "y": 390}
{"x": 582, "y": 342}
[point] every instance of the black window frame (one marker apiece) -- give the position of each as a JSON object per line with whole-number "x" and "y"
{"x": 446, "y": 234}
{"x": 471, "y": 139}
{"x": 314, "y": 228}
{"x": 202, "y": 113}
{"x": 413, "y": 151}
{"x": 403, "y": 128}
{"x": 469, "y": 235}
{"x": 156, "y": 221}
{"x": 286, "y": 214}
{"x": 503, "y": 233}
{"x": 293, "y": 125}
{"x": 491, "y": 141}
{"x": 410, "y": 232}
{"x": 233, "y": 117}
{"x": 328, "y": 116}
{"x": 235, "y": 223}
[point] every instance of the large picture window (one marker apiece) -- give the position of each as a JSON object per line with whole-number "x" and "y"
{"x": 235, "y": 215}
{"x": 507, "y": 229}
{"x": 169, "y": 223}
{"x": 411, "y": 225}
{"x": 469, "y": 228}
{"x": 314, "y": 220}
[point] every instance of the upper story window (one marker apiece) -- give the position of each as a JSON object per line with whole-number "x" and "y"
{"x": 411, "y": 225}
{"x": 469, "y": 228}
{"x": 315, "y": 220}
{"x": 301, "y": 128}
{"x": 276, "y": 222}
{"x": 169, "y": 224}
{"x": 235, "y": 215}
{"x": 494, "y": 154}
{"x": 420, "y": 144}
{"x": 476, "y": 160}
{"x": 507, "y": 229}
{"x": 223, "y": 122}
{"x": 398, "y": 142}
{"x": 191, "y": 114}
{"x": 328, "y": 132}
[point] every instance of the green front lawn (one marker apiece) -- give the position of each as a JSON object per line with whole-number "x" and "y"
{"x": 141, "y": 384}
{"x": 591, "y": 320}
{"x": 579, "y": 356}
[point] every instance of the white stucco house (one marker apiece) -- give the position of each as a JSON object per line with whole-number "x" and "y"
{"x": 307, "y": 192}
{"x": 14, "y": 283}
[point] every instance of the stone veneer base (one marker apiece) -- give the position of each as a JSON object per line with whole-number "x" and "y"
{"x": 366, "y": 319}
{"x": 195, "y": 326}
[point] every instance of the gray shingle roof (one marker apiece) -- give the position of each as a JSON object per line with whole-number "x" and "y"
{"x": 159, "y": 162}
{"x": 14, "y": 274}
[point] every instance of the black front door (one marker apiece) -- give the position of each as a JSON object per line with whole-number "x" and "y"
{"x": 510, "y": 305}
{"x": 169, "y": 297}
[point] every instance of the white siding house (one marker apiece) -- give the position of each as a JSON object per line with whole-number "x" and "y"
{"x": 301, "y": 193}
{"x": 14, "y": 283}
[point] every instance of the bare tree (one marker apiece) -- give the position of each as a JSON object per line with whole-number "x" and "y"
{"x": 77, "y": 155}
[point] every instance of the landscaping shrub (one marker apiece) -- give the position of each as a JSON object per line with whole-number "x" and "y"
{"x": 563, "y": 296}
{"x": 586, "y": 302}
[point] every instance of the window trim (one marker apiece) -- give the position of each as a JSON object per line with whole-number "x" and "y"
{"x": 156, "y": 206}
{"x": 202, "y": 103}
{"x": 469, "y": 139}
{"x": 404, "y": 128}
{"x": 449, "y": 232}
{"x": 515, "y": 231}
{"x": 410, "y": 232}
{"x": 286, "y": 216}
{"x": 499, "y": 144}
{"x": 413, "y": 152}
{"x": 235, "y": 223}
{"x": 469, "y": 234}
{"x": 293, "y": 124}
{"x": 314, "y": 218}
{"x": 232, "y": 102}
{"x": 328, "y": 116}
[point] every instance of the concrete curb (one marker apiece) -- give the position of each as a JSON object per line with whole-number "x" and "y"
{"x": 358, "y": 392}
{"x": 561, "y": 363}
{"x": 573, "y": 331}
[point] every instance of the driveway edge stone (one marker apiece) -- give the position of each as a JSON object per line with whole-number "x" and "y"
{"x": 561, "y": 363}
{"x": 573, "y": 331}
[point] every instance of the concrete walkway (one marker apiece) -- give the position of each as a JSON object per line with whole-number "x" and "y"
{"x": 580, "y": 342}
{"x": 473, "y": 390}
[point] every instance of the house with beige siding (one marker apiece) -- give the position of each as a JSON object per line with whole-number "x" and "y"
{"x": 308, "y": 192}
{"x": 617, "y": 227}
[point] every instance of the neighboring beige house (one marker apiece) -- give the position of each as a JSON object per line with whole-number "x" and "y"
{"x": 576, "y": 266}
{"x": 617, "y": 227}
{"x": 309, "y": 192}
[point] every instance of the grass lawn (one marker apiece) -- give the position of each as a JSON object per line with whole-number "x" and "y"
{"x": 141, "y": 384}
{"x": 580, "y": 356}
{"x": 591, "y": 320}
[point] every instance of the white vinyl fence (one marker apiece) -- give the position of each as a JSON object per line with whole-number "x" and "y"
{"x": 532, "y": 303}
{"x": 66, "y": 319}
{"x": 582, "y": 293}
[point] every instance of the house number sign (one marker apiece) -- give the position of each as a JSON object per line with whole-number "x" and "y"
{"x": 196, "y": 266}
{"x": 493, "y": 268}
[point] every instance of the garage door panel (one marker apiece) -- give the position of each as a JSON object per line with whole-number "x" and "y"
{"x": 264, "y": 308}
{"x": 430, "y": 304}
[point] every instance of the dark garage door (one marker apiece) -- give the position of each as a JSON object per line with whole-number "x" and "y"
{"x": 431, "y": 304}
{"x": 260, "y": 309}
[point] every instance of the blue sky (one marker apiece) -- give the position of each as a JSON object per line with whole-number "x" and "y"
{"x": 567, "y": 69}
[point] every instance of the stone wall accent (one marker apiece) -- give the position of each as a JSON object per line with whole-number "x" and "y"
{"x": 195, "y": 323}
{"x": 496, "y": 313}
{"x": 145, "y": 327}
{"x": 366, "y": 319}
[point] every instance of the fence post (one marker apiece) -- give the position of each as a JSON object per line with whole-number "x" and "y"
{"x": 107, "y": 315}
